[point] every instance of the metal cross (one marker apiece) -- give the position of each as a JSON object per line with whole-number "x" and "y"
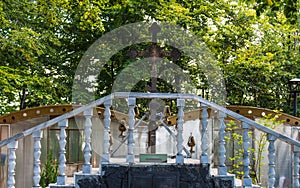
{"x": 154, "y": 52}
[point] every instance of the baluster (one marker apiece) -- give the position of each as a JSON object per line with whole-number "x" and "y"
{"x": 131, "y": 114}
{"x": 86, "y": 167}
{"x": 12, "y": 146}
{"x": 204, "y": 137}
{"x": 247, "y": 182}
{"x": 222, "y": 157}
{"x": 296, "y": 176}
{"x": 271, "y": 156}
{"x": 61, "y": 178}
{"x": 107, "y": 120}
{"x": 180, "y": 115}
{"x": 36, "y": 158}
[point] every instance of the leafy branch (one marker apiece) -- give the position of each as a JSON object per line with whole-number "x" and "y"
{"x": 50, "y": 171}
{"x": 256, "y": 152}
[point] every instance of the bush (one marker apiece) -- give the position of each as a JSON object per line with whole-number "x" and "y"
{"x": 49, "y": 172}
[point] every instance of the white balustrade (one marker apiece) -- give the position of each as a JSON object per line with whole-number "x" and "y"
{"x": 180, "y": 115}
{"x": 86, "y": 167}
{"x": 247, "y": 182}
{"x": 222, "y": 169}
{"x": 12, "y": 143}
{"x": 61, "y": 178}
{"x": 131, "y": 122}
{"x": 204, "y": 137}
{"x": 107, "y": 120}
{"x": 12, "y": 146}
{"x": 271, "y": 157}
{"x": 37, "y": 136}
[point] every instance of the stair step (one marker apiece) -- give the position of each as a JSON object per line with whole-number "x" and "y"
{"x": 61, "y": 186}
{"x": 95, "y": 171}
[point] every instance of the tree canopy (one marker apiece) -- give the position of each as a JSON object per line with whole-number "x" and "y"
{"x": 256, "y": 43}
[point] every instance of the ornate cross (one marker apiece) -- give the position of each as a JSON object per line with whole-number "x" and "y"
{"x": 154, "y": 52}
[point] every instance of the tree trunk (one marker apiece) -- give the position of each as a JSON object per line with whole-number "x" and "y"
{"x": 23, "y": 98}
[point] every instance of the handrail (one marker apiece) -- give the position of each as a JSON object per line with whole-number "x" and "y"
{"x": 214, "y": 106}
{"x": 151, "y": 96}
{"x": 54, "y": 120}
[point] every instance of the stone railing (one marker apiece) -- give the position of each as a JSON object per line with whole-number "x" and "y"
{"x": 222, "y": 113}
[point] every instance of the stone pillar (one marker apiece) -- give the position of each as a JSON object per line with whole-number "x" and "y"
{"x": 180, "y": 115}
{"x": 61, "y": 178}
{"x": 247, "y": 181}
{"x": 86, "y": 167}
{"x": 204, "y": 139}
{"x": 222, "y": 157}
{"x": 12, "y": 146}
{"x": 106, "y": 156}
{"x": 271, "y": 156}
{"x": 131, "y": 121}
{"x": 296, "y": 176}
{"x": 36, "y": 158}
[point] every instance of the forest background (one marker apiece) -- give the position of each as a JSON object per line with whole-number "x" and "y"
{"x": 256, "y": 43}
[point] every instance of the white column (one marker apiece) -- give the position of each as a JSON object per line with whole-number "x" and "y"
{"x": 36, "y": 157}
{"x": 271, "y": 156}
{"x": 86, "y": 167}
{"x": 131, "y": 121}
{"x": 12, "y": 146}
{"x": 61, "y": 178}
{"x": 222, "y": 157}
{"x": 180, "y": 115}
{"x": 204, "y": 137}
{"x": 247, "y": 181}
{"x": 107, "y": 120}
{"x": 296, "y": 176}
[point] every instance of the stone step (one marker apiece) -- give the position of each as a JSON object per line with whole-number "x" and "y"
{"x": 149, "y": 174}
{"x": 70, "y": 183}
{"x": 149, "y": 169}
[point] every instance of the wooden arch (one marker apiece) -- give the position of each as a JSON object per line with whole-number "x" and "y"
{"x": 57, "y": 110}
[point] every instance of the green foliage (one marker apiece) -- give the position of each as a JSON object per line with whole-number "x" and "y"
{"x": 256, "y": 153}
{"x": 254, "y": 42}
{"x": 41, "y": 44}
{"x": 289, "y": 7}
{"x": 235, "y": 136}
{"x": 271, "y": 121}
{"x": 49, "y": 172}
{"x": 265, "y": 66}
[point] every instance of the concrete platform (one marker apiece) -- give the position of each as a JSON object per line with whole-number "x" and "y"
{"x": 120, "y": 168}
